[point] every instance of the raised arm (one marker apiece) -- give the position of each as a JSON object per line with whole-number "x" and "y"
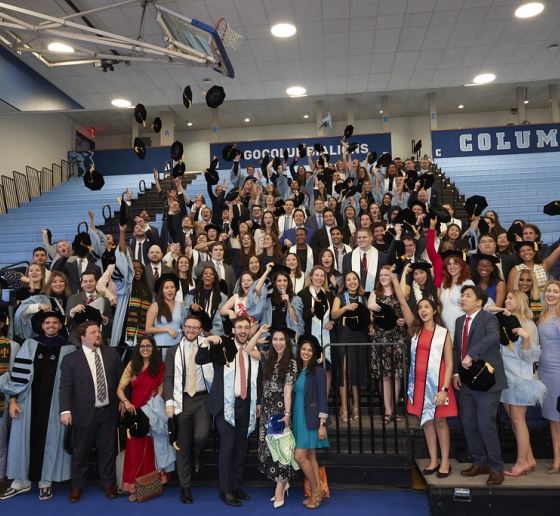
{"x": 407, "y": 313}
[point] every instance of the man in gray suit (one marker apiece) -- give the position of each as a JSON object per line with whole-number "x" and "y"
{"x": 156, "y": 268}
{"x": 477, "y": 337}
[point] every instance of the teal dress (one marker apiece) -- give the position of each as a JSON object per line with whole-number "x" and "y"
{"x": 305, "y": 439}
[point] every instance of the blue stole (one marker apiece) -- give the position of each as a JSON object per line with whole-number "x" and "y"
{"x": 432, "y": 372}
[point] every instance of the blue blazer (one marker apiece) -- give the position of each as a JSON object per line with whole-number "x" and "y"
{"x": 315, "y": 398}
{"x": 483, "y": 344}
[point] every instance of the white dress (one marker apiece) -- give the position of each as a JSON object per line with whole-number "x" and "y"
{"x": 450, "y": 299}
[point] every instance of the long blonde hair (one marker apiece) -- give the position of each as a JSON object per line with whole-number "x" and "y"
{"x": 534, "y": 294}
{"x": 521, "y": 309}
{"x": 545, "y": 311}
{"x": 308, "y": 282}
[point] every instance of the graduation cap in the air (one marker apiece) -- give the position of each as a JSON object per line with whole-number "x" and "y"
{"x": 286, "y": 155}
{"x": 137, "y": 425}
{"x": 389, "y": 235}
{"x": 318, "y": 148}
{"x": 515, "y": 229}
{"x": 426, "y": 181}
{"x": 82, "y": 244}
{"x": 507, "y": 323}
{"x": 417, "y": 146}
{"x": 552, "y": 208}
{"x": 49, "y": 236}
{"x": 352, "y": 147}
{"x": 411, "y": 178}
{"x": 205, "y": 319}
{"x": 372, "y": 156}
{"x": 140, "y": 114}
{"x": 302, "y": 150}
{"x": 348, "y": 131}
{"x": 215, "y": 96}
{"x": 384, "y": 159}
{"x": 168, "y": 276}
{"x": 176, "y": 151}
{"x": 93, "y": 179}
{"x": 156, "y": 124}
{"x": 139, "y": 147}
{"x": 179, "y": 169}
{"x": 230, "y": 152}
{"x": 475, "y": 205}
{"x": 187, "y": 97}
{"x": 483, "y": 227}
{"x": 39, "y": 318}
{"x": 123, "y": 219}
{"x": 386, "y": 318}
{"x": 211, "y": 174}
{"x": 276, "y": 162}
{"x": 232, "y": 194}
{"x": 279, "y": 205}
{"x": 89, "y": 314}
{"x": 438, "y": 212}
{"x": 224, "y": 353}
{"x": 264, "y": 163}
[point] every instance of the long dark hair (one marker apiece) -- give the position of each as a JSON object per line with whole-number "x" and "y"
{"x": 276, "y": 296}
{"x": 200, "y": 297}
{"x": 312, "y": 364}
{"x": 137, "y": 362}
{"x": 163, "y": 309}
{"x": 418, "y": 325}
{"x": 284, "y": 362}
{"x": 141, "y": 289}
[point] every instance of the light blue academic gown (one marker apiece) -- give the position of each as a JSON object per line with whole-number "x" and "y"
{"x": 123, "y": 278}
{"x": 56, "y": 461}
{"x": 217, "y": 323}
{"x": 22, "y": 321}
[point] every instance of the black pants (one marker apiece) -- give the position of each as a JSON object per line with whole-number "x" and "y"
{"x": 194, "y": 426}
{"x": 233, "y": 446}
{"x": 101, "y": 433}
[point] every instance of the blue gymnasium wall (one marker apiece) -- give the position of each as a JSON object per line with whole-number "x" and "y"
{"x": 125, "y": 161}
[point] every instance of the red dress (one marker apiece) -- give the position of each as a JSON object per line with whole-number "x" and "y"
{"x": 421, "y": 366}
{"x": 138, "y": 462}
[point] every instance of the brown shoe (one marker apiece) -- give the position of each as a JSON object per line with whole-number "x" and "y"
{"x": 75, "y": 495}
{"x": 495, "y": 479}
{"x": 474, "y": 471}
{"x": 111, "y": 492}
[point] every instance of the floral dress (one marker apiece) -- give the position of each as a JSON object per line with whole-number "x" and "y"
{"x": 272, "y": 404}
{"x": 385, "y": 358}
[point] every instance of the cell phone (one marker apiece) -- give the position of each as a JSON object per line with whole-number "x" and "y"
{"x": 446, "y": 400}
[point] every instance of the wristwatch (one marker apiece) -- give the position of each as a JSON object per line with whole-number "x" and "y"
{"x": 323, "y": 424}
{"x": 445, "y": 389}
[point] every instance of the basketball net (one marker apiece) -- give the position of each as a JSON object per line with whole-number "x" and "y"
{"x": 227, "y": 35}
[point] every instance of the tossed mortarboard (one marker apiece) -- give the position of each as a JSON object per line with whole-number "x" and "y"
{"x": 475, "y": 205}
{"x": 384, "y": 159}
{"x": 93, "y": 179}
{"x": 156, "y": 124}
{"x": 302, "y": 150}
{"x": 82, "y": 244}
{"x": 230, "y": 152}
{"x": 232, "y": 194}
{"x": 211, "y": 174}
{"x": 352, "y": 147}
{"x": 416, "y": 148}
{"x": 440, "y": 213}
{"x": 215, "y": 96}
{"x": 176, "y": 151}
{"x": 406, "y": 217}
{"x": 426, "y": 181}
{"x": 123, "y": 219}
{"x": 286, "y": 155}
{"x": 483, "y": 227}
{"x": 276, "y": 162}
{"x": 187, "y": 97}
{"x": 140, "y": 114}
{"x": 516, "y": 229}
{"x": 179, "y": 169}
{"x": 348, "y": 131}
{"x": 552, "y": 208}
{"x": 371, "y": 158}
{"x": 139, "y": 147}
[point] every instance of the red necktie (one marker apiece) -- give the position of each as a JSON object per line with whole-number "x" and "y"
{"x": 364, "y": 269}
{"x": 156, "y": 274}
{"x": 465, "y": 338}
{"x": 89, "y": 300}
{"x": 243, "y": 379}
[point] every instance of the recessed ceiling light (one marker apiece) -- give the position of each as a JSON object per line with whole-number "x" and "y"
{"x": 529, "y": 10}
{"x": 189, "y": 123}
{"x": 283, "y": 30}
{"x": 60, "y": 47}
{"x": 247, "y": 120}
{"x": 484, "y": 78}
{"x": 120, "y": 103}
{"x": 306, "y": 115}
{"x": 296, "y": 91}
{"x": 460, "y": 106}
{"x": 381, "y": 111}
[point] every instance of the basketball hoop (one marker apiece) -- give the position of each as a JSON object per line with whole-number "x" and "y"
{"x": 227, "y": 34}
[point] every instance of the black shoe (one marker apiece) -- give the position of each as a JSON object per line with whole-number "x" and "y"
{"x": 440, "y": 474}
{"x": 230, "y": 499}
{"x": 239, "y": 494}
{"x": 186, "y": 495}
{"x": 430, "y": 471}
{"x": 198, "y": 467}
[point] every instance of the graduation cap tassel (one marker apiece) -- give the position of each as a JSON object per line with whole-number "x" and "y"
{"x": 510, "y": 342}
{"x": 225, "y": 356}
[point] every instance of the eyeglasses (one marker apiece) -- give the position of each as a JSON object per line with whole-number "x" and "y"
{"x": 146, "y": 346}
{"x": 197, "y": 328}
{"x": 485, "y": 266}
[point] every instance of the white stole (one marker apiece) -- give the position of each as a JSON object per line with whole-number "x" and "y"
{"x": 372, "y": 258}
{"x": 309, "y": 264}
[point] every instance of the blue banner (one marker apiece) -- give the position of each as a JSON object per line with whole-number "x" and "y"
{"x": 253, "y": 151}
{"x": 493, "y": 141}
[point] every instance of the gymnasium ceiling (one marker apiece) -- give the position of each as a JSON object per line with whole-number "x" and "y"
{"x": 359, "y": 49}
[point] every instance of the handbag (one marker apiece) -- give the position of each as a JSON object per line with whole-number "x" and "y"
{"x": 149, "y": 485}
{"x": 324, "y": 484}
{"x": 479, "y": 376}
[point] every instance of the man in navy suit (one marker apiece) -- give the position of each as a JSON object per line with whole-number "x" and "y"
{"x": 477, "y": 337}
{"x": 88, "y": 400}
{"x": 315, "y": 221}
{"x": 234, "y": 402}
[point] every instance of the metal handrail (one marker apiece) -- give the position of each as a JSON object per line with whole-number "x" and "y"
{"x": 46, "y": 180}
{"x": 34, "y": 180}
{"x": 10, "y": 192}
{"x": 22, "y": 187}
{"x": 65, "y": 169}
{"x": 57, "y": 174}
{"x": 3, "y": 207}
{"x": 103, "y": 213}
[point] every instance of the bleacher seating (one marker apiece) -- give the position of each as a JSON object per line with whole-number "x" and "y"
{"x": 59, "y": 210}
{"x": 515, "y": 186}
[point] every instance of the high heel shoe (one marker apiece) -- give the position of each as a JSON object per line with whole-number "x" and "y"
{"x": 553, "y": 471}
{"x": 315, "y": 502}
{"x": 286, "y": 492}
{"x": 344, "y": 416}
{"x": 512, "y": 473}
{"x": 356, "y": 414}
